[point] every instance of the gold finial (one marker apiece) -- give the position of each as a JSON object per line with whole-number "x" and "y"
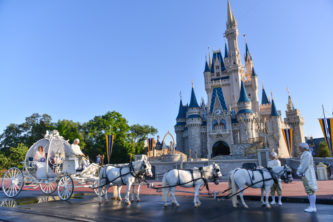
{"x": 272, "y": 95}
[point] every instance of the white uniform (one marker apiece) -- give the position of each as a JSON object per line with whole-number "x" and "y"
{"x": 306, "y": 168}
{"x": 77, "y": 152}
{"x": 273, "y": 163}
{"x": 275, "y": 188}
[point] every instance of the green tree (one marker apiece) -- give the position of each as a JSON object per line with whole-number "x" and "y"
{"x": 4, "y": 162}
{"x": 96, "y": 129}
{"x": 71, "y": 130}
{"x": 138, "y": 135}
{"x": 323, "y": 150}
{"x": 11, "y": 136}
{"x": 17, "y": 155}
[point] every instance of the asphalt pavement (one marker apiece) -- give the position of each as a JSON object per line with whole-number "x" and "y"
{"x": 31, "y": 206}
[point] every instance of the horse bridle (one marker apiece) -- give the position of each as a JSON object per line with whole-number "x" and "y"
{"x": 282, "y": 172}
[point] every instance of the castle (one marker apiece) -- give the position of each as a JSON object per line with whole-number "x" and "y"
{"x": 232, "y": 122}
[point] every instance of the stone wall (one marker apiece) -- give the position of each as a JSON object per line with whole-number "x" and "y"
{"x": 225, "y": 165}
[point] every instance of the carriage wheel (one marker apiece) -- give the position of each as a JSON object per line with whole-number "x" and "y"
{"x": 48, "y": 187}
{"x": 65, "y": 187}
{"x": 95, "y": 184}
{"x": 12, "y": 182}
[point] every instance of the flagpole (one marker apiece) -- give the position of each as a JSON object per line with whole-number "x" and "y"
{"x": 326, "y": 130}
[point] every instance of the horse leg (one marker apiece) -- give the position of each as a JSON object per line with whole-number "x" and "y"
{"x": 242, "y": 197}
{"x": 138, "y": 193}
{"x": 262, "y": 197}
{"x": 267, "y": 189}
{"x": 106, "y": 187}
{"x": 133, "y": 193}
{"x": 119, "y": 193}
{"x": 197, "y": 202}
{"x": 173, "y": 196}
{"x": 128, "y": 190}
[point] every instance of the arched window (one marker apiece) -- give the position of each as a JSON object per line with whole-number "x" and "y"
{"x": 224, "y": 124}
{"x": 214, "y": 123}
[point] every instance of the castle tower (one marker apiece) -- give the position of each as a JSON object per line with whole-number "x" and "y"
{"x": 233, "y": 62}
{"x": 265, "y": 106}
{"x": 245, "y": 116}
{"x": 180, "y": 126}
{"x": 296, "y": 122}
{"x": 248, "y": 62}
{"x": 275, "y": 138}
{"x": 193, "y": 123}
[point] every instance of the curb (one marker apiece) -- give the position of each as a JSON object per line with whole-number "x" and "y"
{"x": 295, "y": 199}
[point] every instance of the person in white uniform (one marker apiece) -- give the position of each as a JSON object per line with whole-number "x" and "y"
{"x": 76, "y": 151}
{"x": 307, "y": 172}
{"x": 276, "y": 188}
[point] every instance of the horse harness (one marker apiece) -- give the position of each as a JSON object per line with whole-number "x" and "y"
{"x": 261, "y": 171}
{"x": 192, "y": 176}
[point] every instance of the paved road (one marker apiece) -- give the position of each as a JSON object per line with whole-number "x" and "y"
{"x": 87, "y": 208}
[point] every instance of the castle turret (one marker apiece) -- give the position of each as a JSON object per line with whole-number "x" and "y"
{"x": 193, "y": 123}
{"x": 180, "y": 126}
{"x": 233, "y": 61}
{"x": 275, "y": 137}
{"x": 296, "y": 122}
{"x": 265, "y": 106}
{"x": 245, "y": 116}
{"x": 248, "y": 63}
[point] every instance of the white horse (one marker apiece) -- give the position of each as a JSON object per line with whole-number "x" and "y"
{"x": 260, "y": 178}
{"x": 197, "y": 177}
{"x": 119, "y": 176}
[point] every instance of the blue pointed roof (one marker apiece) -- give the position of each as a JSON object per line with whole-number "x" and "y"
{"x": 243, "y": 98}
{"x": 206, "y": 67}
{"x": 193, "y": 102}
{"x": 219, "y": 56}
{"x": 253, "y": 72}
{"x": 247, "y": 52}
{"x": 264, "y": 99}
{"x": 274, "y": 111}
{"x": 225, "y": 51}
{"x": 219, "y": 93}
{"x": 180, "y": 111}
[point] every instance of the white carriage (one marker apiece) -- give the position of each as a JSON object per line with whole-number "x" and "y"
{"x": 56, "y": 168}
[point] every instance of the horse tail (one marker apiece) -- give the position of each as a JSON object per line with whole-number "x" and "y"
{"x": 165, "y": 190}
{"x": 232, "y": 186}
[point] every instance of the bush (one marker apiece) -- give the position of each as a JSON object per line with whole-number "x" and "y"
{"x": 323, "y": 150}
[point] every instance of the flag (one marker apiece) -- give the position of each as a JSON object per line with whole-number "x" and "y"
{"x": 109, "y": 145}
{"x": 326, "y": 126}
{"x": 150, "y": 142}
{"x": 288, "y": 138}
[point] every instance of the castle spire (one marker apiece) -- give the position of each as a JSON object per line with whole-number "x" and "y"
{"x": 253, "y": 72}
{"x": 225, "y": 51}
{"x": 193, "y": 102}
{"x": 231, "y": 17}
{"x": 273, "y": 111}
{"x": 243, "y": 98}
{"x": 290, "y": 105}
{"x": 180, "y": 111}
{"x": 264, "y": 98}
{"x": 206, "y": 66}
{"x": 209, "y": 59}
{"x": 247, "y": 53}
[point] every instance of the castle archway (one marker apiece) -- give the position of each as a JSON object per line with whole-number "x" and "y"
{"x": 220, "y": 148}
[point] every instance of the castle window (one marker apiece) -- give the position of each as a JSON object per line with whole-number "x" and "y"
{"x": 249, "y": 94}
{"x": 217, "y": 67}
{"x": 218, "y": 74}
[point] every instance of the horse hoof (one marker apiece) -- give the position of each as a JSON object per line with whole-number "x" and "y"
{"x": 128, "y": 203}
{"x": 177, "y": 205}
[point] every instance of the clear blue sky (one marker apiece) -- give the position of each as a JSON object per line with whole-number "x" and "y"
{"x": 77, "y": 59}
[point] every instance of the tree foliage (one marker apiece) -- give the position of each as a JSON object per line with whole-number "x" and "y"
{"x": 323, "y": 150}
{"x": 129, "y": 140}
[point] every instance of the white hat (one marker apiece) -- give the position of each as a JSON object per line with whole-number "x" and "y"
{"x": 273, "y": 154}
{"x": 304, "y": 146}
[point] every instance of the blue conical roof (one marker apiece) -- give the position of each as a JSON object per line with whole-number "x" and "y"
{"x": 225, "y": 51}
{"x": 219, "y": 56}
{"x": 274, "y": 111}
{"x": 193, "y": 102}
{"x": 206, "y": 67}
{"x": 180, "y": 111}
{"x": 247, "y": 52}
{"x": 253, "y": 72}
{"x": 243, "y": 98}
{"x": 264, "y": 99}
{"x": 217, "y": 92}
